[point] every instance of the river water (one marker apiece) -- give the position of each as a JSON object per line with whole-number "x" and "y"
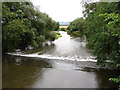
{"x": 64, "y": 63}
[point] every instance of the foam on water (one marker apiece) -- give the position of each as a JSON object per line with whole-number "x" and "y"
{"x": 63, "y": 48}
{"x": 91, "y": 58}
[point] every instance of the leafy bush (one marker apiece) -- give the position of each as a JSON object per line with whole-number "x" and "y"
{"x": 13, "y": 33}
{"x": 62, "y": 29}
{"x": 52, "y": 36}
{"x": 39, "y": 40}
{"x": 116, "y": 80}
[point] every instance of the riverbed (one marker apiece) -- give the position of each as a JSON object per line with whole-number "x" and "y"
{"x": 64, "y": 63}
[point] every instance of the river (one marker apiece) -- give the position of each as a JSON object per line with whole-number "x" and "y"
{"x": 64, "y": 63}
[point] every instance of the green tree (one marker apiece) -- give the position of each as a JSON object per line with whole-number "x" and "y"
{"x": 77, "y": 27}
{"x": 102, "y": 30}
{"x": 24, "y": 25}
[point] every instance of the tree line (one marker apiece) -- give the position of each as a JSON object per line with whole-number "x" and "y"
{"x": 101, "y": 26}
{"x": 25, "y": 25}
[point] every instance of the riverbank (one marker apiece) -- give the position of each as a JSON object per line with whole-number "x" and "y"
{"x": 62, "y": 49}
{"x": 63, "y": 63}
{"x": 30, "y": 49}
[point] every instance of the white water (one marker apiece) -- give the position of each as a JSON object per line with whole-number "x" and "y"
{"x": 64, "y": 48}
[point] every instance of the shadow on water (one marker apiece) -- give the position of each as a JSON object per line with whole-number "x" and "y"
{"x": 24, "y": 72}
{"x": 19, "y": 72}
{"x": 102, "y": 77}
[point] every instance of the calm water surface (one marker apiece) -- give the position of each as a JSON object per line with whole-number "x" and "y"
{"x": 64, "y": 63}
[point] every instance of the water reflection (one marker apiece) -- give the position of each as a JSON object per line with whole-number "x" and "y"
{"x": 22, "y": 72}
{"x": 19, "y": 72}
{"x": 64, "y": 63}
{"x": 48, "y": 46}
{"x": 57, "y": 78}
{"x": 68, "y": 48}
{"x": 102, "y": 76}
{"x": 64, "y": 48}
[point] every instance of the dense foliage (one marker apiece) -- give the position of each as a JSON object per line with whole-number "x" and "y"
{"x": 24, "y": 25}
{"x": 77, "y": 27}
{"x": 101, "y": 25}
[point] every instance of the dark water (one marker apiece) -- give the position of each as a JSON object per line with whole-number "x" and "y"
{"x": 64, "y": 63}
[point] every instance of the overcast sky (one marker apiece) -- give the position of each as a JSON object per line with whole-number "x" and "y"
{"x": 60, "y": 10}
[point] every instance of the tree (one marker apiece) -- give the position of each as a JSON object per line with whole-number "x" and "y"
{"x": 77, "y": 26}
{"x": 102, "y": 30}
{"x": 24, "y": 25}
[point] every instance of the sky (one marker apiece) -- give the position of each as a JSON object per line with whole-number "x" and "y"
{"x": 60, "y": 10}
